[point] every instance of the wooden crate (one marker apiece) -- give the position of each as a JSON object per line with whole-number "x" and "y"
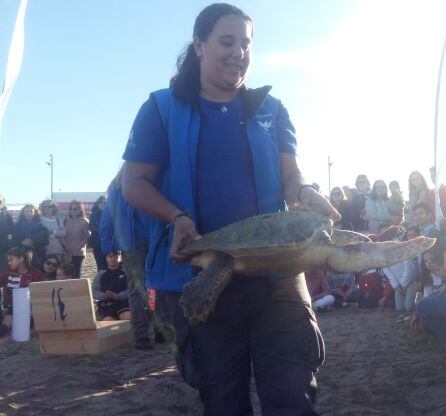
{"x": 107, "y": 335}
{"x": 62, "y": 305}
{"x": 64, "y": 316}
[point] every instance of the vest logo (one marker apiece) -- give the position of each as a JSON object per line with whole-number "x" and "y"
{"x": 131, "y": 144}
{"x": 265, "y": 125}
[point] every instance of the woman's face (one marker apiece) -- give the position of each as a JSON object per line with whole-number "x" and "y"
{"x": 336, "y": 195}
{"x": 29, "y": 213}
{"x": 416, "y": 181}
{"x": 226, "y": 54}
{"x": 362, "y": 185}
{"x": 381, "y": 190}
{"x": 48, "y": 209}
{"x": 101, "y": 204}
{"x": 394, "y": 188}
{"x": 50, "y": 265}
{"x": 75, "y": 210}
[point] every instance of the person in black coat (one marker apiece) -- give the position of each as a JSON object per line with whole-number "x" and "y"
{"x": 30, "y": 234}
{"x": 6, "y": 230}
{"x": 94, "y": 241}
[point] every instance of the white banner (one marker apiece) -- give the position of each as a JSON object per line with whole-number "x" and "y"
{"x": 15, "y": 58}
{"x": 439, "y": 145}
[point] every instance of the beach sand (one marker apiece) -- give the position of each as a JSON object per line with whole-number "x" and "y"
{"x": 374, "y": 366}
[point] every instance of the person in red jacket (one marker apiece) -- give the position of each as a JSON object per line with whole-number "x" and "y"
{"x": 20, "y": 274}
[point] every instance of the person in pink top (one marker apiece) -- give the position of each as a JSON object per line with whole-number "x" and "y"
{"x": 319, "y": 289}
{"x": 76, "y": 234}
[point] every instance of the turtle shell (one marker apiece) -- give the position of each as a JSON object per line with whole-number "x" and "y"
{"x": 285, "y": 228}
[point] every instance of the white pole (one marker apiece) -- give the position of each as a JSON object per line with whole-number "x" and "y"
{"x": 438, "y": 164}
{"x": 15, "y": 58}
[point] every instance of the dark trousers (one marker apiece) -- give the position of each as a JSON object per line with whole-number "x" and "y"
{"x": 77, "y": 261}
{"x": 99, "y": 257}
{"x": 134, "y": 267}
{"x": 269, "y": 324}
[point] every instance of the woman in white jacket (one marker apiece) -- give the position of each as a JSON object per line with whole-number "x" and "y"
{"x": 377, "y": 207}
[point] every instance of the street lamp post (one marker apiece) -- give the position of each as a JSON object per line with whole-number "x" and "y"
{"x": 51, "y": 165}
{"x": 330, "y": 163}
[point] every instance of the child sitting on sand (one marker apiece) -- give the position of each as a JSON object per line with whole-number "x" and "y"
{"x": 66, "y": 271}
{"x": 319, "y": 289}
{"x": 110, "y": 290}
{"x": 20, "y": 274}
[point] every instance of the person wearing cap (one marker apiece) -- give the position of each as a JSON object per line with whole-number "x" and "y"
{"x": 110, "y": 290}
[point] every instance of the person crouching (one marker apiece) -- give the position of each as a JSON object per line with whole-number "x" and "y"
{"x": 110, "y": 290}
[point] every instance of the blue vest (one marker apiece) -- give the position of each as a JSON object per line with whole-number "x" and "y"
{"x": 178, "y": 179}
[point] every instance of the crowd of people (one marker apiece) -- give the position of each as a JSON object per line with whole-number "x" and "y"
{"x": 417, "y": 286}
{"x": 44, "y": 245}
{"x": 204, "y": 153}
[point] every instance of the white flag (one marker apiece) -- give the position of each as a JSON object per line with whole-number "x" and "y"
{"x": 15, "y": 58}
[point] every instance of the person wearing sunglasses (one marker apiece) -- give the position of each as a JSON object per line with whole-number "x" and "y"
{"x": 50, "y": 266}
{"x": 76, "y": 234}
{"x": 56, "y": 230}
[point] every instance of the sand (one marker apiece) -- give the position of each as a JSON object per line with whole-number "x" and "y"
{"x": 374, "y": 366}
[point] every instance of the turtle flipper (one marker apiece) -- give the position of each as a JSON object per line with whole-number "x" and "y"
{"x": 341, "y": 237}
{"x": 364, "y": 256}
{"x": 201, "y": 293}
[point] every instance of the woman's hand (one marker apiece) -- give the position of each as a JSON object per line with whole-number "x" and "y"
{"x": 313, "y": 200}
{"x": 27, "y": 242}
{"x": 184, "y": 229}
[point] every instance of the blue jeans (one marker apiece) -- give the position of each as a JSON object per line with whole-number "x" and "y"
{"x": 432, "y": 311}
{"x": 260, "y": 322}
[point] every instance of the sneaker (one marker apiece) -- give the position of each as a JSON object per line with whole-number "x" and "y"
{"x": 143, "y": 344}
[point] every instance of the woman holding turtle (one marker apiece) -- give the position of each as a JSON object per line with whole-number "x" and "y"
{"x": 203, "y": 154}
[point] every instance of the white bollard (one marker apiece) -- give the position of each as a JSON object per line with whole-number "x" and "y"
{"x": 21, "y": 320}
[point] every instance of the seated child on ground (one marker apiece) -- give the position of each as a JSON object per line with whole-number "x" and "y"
{"x": 431, "y": 310}
{"x": 110, "y": 290}
{"x": 344, "y": 288}
{"x": 319, "y": 289}
{"x": 20, "y": 274}
{"x": 66, "y": 271}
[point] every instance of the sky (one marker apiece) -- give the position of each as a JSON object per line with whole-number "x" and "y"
{"x": 359, "y": 79}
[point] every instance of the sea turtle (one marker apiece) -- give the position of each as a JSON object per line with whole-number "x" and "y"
{"x": 281, "y": 244}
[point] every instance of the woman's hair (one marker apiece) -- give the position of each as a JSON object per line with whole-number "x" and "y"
{"x": 22, "y": 218}
{"x": 52, "y": 256}
{"x": 48, "y": 202}
{"x": 102, "y": 198}
{"x": 186, "y": 82}
{"x": 20, "y": 252}
{"x": 423, "y": 180}
{"x": 373, "y": 195}
{"x": 80, "y": 204}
